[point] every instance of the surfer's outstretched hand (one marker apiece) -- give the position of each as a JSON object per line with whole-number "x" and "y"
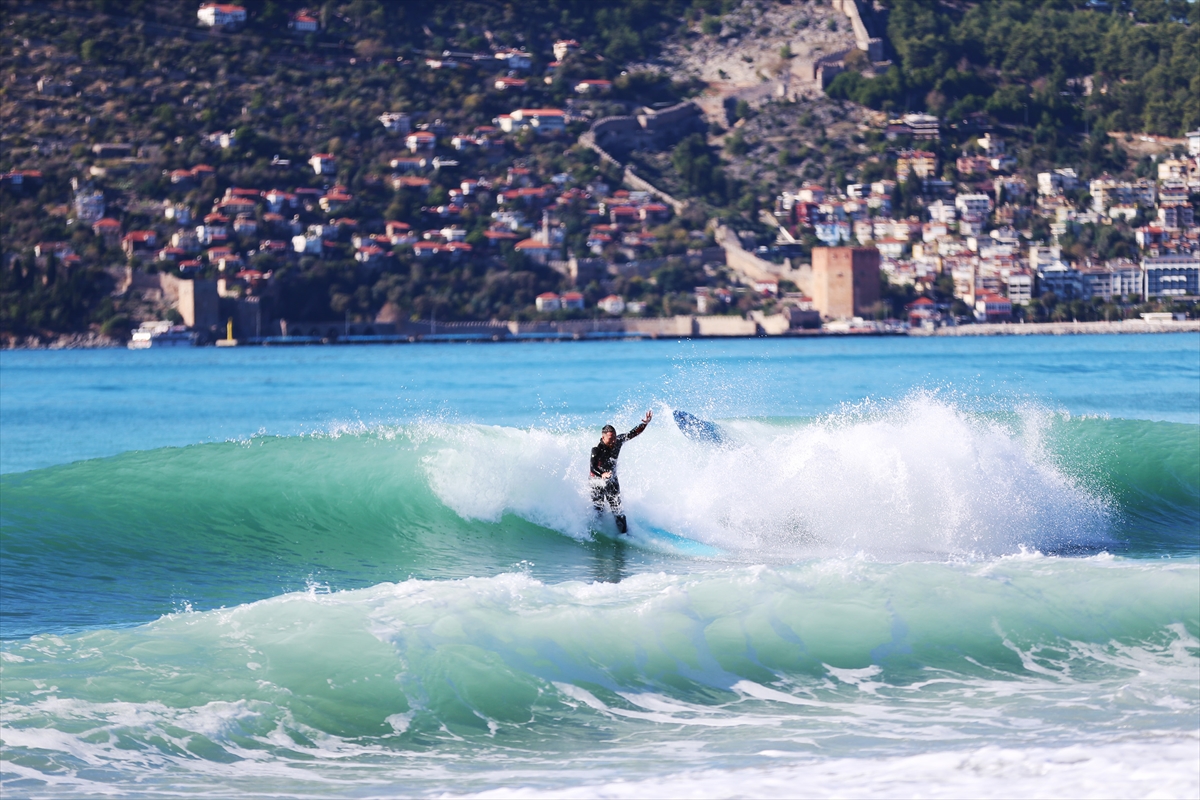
{"x": 649, "y": 416}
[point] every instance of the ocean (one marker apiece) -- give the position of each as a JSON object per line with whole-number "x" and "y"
{"x": 910, "y": 568}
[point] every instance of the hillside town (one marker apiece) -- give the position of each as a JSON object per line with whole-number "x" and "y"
{"x": 546, "y": 207}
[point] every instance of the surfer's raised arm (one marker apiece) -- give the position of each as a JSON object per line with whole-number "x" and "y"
{"x": 642, "y": 426}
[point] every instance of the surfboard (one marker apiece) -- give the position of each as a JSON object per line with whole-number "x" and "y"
{"x": 652, "y": 537}
{"x": 660, "y": 538}
{"x": 696, "y": 429}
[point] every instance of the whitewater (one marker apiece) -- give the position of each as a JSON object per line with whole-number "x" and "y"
{"x": 928, "y": 569}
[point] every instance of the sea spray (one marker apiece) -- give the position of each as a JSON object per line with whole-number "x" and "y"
{"x": 919, "y": 477}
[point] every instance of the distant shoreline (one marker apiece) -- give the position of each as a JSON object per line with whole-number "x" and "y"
{"x": 93, "y": 342}
{"x": 1062, "y": 328}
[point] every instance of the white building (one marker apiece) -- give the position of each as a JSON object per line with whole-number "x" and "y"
{"x": 613, "y": 304}
{"x": 941, "y": 211}
{"x": 974, "y": 205}
{"x": 542, "y": 120}
{"x": 564, "y": 47}
{"x": 515, "y": 59}
{"x": 1020, "y": 287}
{"x": 323, "y": 164}
{"x": 218, "y": 15}
{"x": 307, "y": 243}
{"x": 1058, "y": 181}
{"x": 396, "y": 122}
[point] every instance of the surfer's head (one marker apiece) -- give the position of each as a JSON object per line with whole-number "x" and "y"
{"x": 607, "y": 434}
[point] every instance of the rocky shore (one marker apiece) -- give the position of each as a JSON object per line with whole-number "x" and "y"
{"x": 65, "y": 341}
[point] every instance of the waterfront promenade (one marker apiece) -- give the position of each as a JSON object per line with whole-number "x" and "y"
{"x": 1061, "y": 328}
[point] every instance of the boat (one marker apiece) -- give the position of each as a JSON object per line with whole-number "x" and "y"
{"x": 161, "y": 334}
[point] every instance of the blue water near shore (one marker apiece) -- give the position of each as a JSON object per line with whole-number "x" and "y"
{"x": 930, "y": 567}
{"x": 65, "y": 406}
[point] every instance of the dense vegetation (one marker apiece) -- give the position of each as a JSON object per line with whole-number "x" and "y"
{"x": 1059, "y": 65}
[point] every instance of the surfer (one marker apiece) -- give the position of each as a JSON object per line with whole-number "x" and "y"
{"x": 605, "y": 488}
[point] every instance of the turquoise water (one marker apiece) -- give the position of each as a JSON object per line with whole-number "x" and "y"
{"x": 929, "y": 567}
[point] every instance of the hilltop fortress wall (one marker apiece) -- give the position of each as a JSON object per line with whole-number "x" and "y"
{"x": 873, "y": 45}
{"x": 649, "y": 129}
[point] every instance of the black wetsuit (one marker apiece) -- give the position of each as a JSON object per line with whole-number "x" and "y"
{"x": 608, "y": 490}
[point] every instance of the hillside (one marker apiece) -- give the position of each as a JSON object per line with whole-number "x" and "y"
{"x": 276, "y": 155}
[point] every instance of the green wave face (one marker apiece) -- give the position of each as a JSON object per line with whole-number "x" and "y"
{"x": 125, "y": 539}
{"x": 817, "y": 657}
{"x": 131, "y": 537}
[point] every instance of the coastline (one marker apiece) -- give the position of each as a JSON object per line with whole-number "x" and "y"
{"x": 1062, "y": 328}
{"x": 93, "y": 341}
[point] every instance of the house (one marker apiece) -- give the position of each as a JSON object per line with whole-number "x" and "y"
{"x": 495, "y": 237}
{"x": 219, "y": 15}
{"x": 543, "y": 120}
{"x": 323, "y": 164}
{"x": 177, "y": 213}
{"x": 425, "y": 250}
{"x": 572, "y": 300}
{"x": 993, "y": 308}
{"x": 548, "y": 301}
{"x": 304, "y": 22}
{"x": 972, "y": 165}
{"x": 108, "y": 229}
{"x": 539, "y": 252}
{"x": 396, "y": 122}
{"x": 920, "y": 311}
{"x": 421, "y": 141}
{"x": 411, "y": 182}
{"x": 407, "y": 163}
{"x": 211, "y": 233}
{"x": 137, "y": 241}
{"x": 593, "y": 87}
{"x": 503, "y": 84}
{"x": 564, "y": 47}
{"x": 244, "y": 225}
{"x": 221, "y": 139}
{"x": 613, "y": 304}
{"x": 230, "y": 263}
{"x": 371, "y": 255}
{"x": 918, "y": 163}
{"x": 335, "y": 200}
{"x": 308, "y": 243}
{"x": 515, "y": 59}
{"x": 277, "y": 200}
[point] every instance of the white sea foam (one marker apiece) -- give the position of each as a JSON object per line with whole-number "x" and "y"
{"x": 838, "y": 677}
{"x": 923, "y": 477}
{"x": 1169, "y": 768}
